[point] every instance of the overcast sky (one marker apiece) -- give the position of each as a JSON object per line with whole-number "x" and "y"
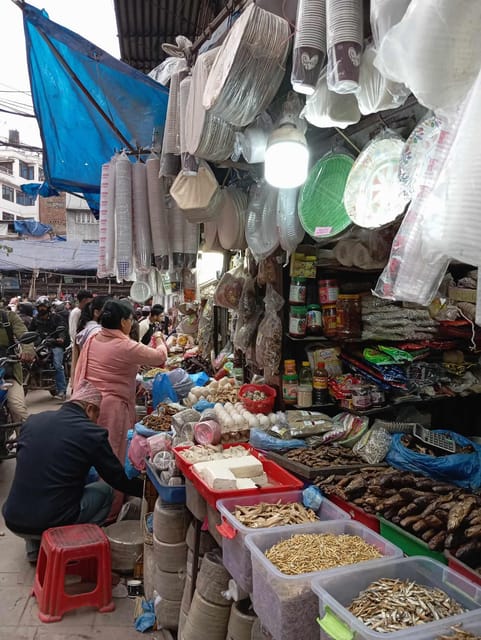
{"x": 92, "y": 19}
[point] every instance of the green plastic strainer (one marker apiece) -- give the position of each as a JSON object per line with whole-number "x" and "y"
{"x": 321, "y": 207}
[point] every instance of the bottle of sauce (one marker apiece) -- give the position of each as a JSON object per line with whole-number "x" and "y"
{"x": 320, "y": 390}
{"x": 304, "y": 392}
{"x": 289, "y": 383}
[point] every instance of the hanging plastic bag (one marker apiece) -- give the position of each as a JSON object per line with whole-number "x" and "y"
{"x": 261, "y": 229}
{"x": 252, "y": 142}
{"x": 377, "y": 93}
{"x": 461, "y": 469}
{"x": 289, "y": 226}
{"x": 384, "y": 15}
{"x": 162, "y": 390}
{"x": 325, "y": 108}
{"x": 229, "y": 289}
{"x": 250, "y": 309}
{"x": 269, "y": 335}
{"x": 373, "y": 445}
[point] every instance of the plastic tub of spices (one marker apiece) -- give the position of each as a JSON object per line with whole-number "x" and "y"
{"x": 285, "y": 604}
{"x": 336, "y": 593}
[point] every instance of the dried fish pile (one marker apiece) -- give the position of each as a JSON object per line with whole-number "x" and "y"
{"x": 459, "y": 634}
{"x": 324, "y": 456}
{"x": 306, "y": 552}
{"x": 157, "y": 422}
{"x": 441, "y": 514}
{"x": 273, "y": 515}
{"x": 391, "y": 604}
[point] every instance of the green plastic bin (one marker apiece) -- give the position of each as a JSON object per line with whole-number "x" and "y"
{"x": 411, "y": 545}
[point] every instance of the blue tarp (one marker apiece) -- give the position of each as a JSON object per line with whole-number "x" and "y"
{"x": 31, "y": 228}
{"x": 39, "y": 189}
{"x": 73, "y": 83}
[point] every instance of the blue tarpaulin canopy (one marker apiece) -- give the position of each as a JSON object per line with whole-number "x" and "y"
{"x": 88, "y": 104}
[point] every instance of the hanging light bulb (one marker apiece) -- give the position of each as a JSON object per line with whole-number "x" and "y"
{"x": 287, "y": 155}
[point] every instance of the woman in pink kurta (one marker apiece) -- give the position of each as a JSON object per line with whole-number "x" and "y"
{"x": 110, "y": 360}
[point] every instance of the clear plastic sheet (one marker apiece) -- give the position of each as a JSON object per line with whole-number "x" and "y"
{"x": 344, "y": 44}
{"x": 309, "y": 51}
{"x": 261, "y": 228}
{"x": 384, "y": 15}
{"x": 435, "y": 50}
{"x": 289, "y": 226}
{"x": 326, "y": 108}
{"x": 249, "y": 68}
{"x": 141, "y": 219}
{"x": 123, "y": 218}
{"x": 377, "y": 93}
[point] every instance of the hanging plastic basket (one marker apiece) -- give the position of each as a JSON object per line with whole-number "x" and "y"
{"x": 266, "y": 405}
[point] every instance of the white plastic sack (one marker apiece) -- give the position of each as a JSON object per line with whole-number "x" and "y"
{"x": 435, "y": 51}
{"x": 326, "y": 108}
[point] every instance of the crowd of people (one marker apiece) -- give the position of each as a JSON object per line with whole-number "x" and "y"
{"x": 110, "y": 339}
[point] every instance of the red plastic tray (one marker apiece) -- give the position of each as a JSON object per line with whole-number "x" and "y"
{"x": 279, "y": 478}
{"x": 356, "y": 513}
{"x": 462, "y": 568}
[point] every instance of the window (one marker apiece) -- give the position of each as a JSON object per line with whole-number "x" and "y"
{"x": 6, "y": 167}
{"x": 7, "y": 217}
{"x": 27, "y": 171}
{"x": 24, "y": 199}
{"x": 8, "y": 193}
{"x": 84, "y": 217}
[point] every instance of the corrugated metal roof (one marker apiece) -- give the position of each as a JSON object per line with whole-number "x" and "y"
{"x": 144, "y": 25}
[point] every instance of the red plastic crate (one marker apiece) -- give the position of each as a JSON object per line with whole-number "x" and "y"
{"x": 462, "y": 568}
{"x": 279, "y": 479}
{"x": 356, "y": 513}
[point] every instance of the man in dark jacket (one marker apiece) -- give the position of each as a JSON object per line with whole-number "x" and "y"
{"x": 45, "y": 323}
{"x": 55, "y": 452}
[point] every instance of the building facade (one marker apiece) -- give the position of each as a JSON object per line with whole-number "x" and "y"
{"x": 81, "y": 223}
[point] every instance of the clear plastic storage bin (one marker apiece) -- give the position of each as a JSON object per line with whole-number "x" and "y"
{"x": 235, "y": 555}
{"x": 286, "y": 605}
{"x": 336, "y": 592}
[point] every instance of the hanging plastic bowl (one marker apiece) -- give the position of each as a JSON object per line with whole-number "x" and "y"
{"x": 321, "y": 207}
{"x": 140, "y": 292}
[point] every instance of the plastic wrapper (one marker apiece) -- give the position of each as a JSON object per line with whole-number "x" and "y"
{"x": 229, "y": 289}
{"x": 344, "y": 44}
{"x": 309, "y": 50}
{"x": 262, "y": 440}
{"x": 377, "y": 93}
{"x": 123, "y": 218}
{"x": 325, "y": 108}
{"x": 261, "y": 229}
{"x": 250, "y": 309}
{"x": 141, "y": 219}
{"x": 189, "y": 415}
{"x": 373, "y": 445}
{"x": 106, "y": 264}
{"x": 170, "y": 158}
{"x": 252, "y": 142}
{"x": 163, "y": 72}
{"x": 195, "y": 191}
{"x": 249, "y": 67}
{"x": 269, "y": 334}
{"x": 138, "y": 451}
{"x": 159, "y": 442}
{"x": 435, "y": 50}
{"x": 289, "y": 226}
{"x": 384, "y": 15}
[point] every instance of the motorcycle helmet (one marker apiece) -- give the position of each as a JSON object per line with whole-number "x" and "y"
{"x": 58, "y": 305}
{"x": 26, "y": 308}
{"x": 43, "y": 301}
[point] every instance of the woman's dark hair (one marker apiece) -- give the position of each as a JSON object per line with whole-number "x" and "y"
{"x": 88, "y": 311}
{"x": 113, "y": 312}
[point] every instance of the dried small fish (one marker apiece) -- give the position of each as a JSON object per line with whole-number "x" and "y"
{"x": 459, "y": 634}
{"x": 303, "y": 553}
{"x": 391, "y": 604}
{"x": 274, "y": 515}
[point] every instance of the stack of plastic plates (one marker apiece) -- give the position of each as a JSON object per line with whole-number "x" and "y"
{"x": 249, "y": 67}
{"x": 417, "y": 153}
{"x": 206, "y": 135}
{"x": 261, "y": 230}
{"x": 321, "y": 207}
{"x": 374, "y": 196}
{"x": 231, "y": 221}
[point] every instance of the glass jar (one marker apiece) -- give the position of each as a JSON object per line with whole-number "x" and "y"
{"x": 314, "y": 320}
{"x": 289, "y": 383}
{"x": 328, "y": 291}
{"x": 297, "y": 322}
{"x": 329, "y": 324}
{"x": 298, "y": 291}
{"x": 348, "y": 316}
{"x": 378, "y": 397}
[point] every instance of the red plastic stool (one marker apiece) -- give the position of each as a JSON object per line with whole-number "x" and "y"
{"x": 79, "y": 549}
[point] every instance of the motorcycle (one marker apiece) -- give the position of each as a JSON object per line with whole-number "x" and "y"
{"x": 8, "y": 428}
{"x": 40, "y": 373}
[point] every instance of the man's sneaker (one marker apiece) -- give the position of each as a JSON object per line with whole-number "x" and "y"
{"x": 60, "y": 396}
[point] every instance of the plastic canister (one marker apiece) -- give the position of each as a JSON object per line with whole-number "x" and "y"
{"x": 298, "y": 291}
{"x": 289, "y": 382}
{"x": 328, "y": 291}
{"x": 207, "y": 432}
{"x": 297, "y": 322}
{"x": 329, "y": 325}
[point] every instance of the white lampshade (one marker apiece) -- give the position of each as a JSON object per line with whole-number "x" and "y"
{"x": 287, "y": 158}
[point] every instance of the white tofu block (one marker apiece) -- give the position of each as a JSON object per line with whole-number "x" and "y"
{"x": 245, "y": 483}
{"x": 260, "y": 481}
{"x": 220, "y": 480}
{"x": 246, "y": 467}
